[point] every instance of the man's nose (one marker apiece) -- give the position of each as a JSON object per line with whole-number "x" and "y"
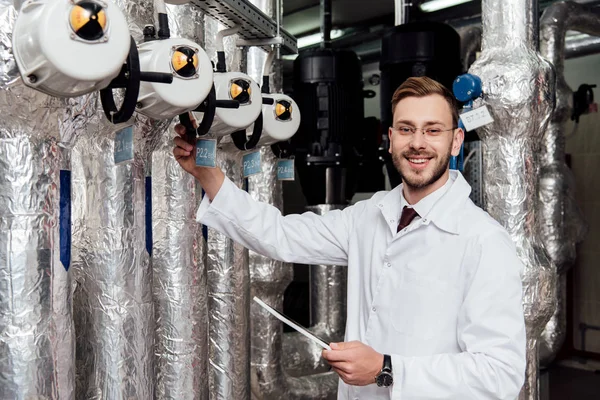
{"x": 417, "y": 140}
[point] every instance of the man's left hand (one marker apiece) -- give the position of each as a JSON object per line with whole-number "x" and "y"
{"x": 355, "y": 362}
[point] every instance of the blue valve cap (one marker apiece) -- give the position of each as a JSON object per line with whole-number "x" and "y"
{"x": 467, "y": 87}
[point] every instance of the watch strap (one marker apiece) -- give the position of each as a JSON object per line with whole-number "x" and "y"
{"x": 387, "y": 363}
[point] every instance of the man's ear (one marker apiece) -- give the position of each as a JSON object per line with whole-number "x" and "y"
{"x": 390, "y": 137}
{"x": 457, "y": 141}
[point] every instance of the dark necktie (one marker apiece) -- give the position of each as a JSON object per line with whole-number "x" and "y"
{"x": 408, "y": 214}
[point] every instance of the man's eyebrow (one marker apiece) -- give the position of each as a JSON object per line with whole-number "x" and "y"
{"x": 412, "y": 123}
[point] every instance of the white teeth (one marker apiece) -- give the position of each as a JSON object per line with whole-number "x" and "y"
{"x": 417, "y": 160}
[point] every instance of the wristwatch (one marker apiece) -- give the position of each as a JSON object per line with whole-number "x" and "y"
{"x": 385, "y": 377}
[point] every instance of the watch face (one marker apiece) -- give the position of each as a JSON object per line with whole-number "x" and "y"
{"x": 385, "y": 379}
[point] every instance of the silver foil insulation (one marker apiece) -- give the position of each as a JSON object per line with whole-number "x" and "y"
{"x": 562, "y": 224}
{"x": 518, "y": 89}
{"x": 37, "y": 133}
{"x": 178, "y": 256}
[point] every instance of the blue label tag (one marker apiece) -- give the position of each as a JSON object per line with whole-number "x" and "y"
{"x": 124, "y": 145}
{"x": 285, "y": 170}
{"x": 251, "y": 163}
{"x": 65, "y": 218}
{"x": 149, "y": 215}
{"x": 206, "y": 151}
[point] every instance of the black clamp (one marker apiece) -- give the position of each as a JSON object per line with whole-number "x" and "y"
{"x": 242, "y": 142}
{"x": 583, "y": 98}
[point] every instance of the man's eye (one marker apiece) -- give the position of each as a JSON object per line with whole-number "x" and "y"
{"x": 405, "y": 129}
{"x": 433, "y": 131}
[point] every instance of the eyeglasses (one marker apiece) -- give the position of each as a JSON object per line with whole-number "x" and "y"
{"x": 429, "y": 132}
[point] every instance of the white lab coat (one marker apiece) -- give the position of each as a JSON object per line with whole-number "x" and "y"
{"x": 443, "y": 296}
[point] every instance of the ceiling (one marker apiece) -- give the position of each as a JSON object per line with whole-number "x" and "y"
{"x": 301, "y": 17}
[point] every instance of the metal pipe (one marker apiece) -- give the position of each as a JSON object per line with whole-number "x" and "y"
{"x": 470, "y": 44}
{"x": 580, "y": 47}
{"x": 228, "y": 279}
{"x": 37, "y": 132}
{"x": 228, "y": 304}
{"x": 270, "y": 379}
{"x": 115, "y": 321}
{"x": 328, "y": 314}
{"x": 400, "y": 12}
{"x": 518, "y": 91}
{"x": 113, "y": 300}
{"x": 326, "y": 18}
{"x": 270, "y": 375}
{"x": 556, "y": 226}
{"x": 555, "y": 332}
{"x": 560, "y": 220}
{"x": 178, "y": 256}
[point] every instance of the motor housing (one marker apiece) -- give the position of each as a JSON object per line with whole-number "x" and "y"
{"x": 67, "y": 49}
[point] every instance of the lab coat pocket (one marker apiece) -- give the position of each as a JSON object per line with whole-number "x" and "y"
{"x": 423, "y": 306}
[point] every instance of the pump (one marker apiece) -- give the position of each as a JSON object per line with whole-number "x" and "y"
{"x": 70, "y": 48}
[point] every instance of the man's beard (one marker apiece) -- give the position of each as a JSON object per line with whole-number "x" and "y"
{"x": 417, "y": 179}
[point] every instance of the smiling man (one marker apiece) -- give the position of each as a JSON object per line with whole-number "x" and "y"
{"x": 434, "y": 285}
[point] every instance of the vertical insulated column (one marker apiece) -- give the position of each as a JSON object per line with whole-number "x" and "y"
{"x": 518, "y": 90}
{"x": 178, "y": 256}
{"x": 228, "y": 277}
{"x": 36, "y": 325}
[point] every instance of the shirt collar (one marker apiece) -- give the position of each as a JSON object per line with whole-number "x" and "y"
{"x": 424, "y": 206}
{"x": 440, "y": 209}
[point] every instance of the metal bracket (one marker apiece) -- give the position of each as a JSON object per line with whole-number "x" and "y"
{"x": 260, "y": 42}
{"x": 257, "y": 29}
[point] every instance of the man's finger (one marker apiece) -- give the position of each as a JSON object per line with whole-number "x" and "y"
{"x": 345, "y": 345}
{"x": 334, "y": 355}
{"x": 183, "y": 144}
{"x": 180, "y": 130}
{"x": 179, "y": 152}
{"x": 343, "y": 366}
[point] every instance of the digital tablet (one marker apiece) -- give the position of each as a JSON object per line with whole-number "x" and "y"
{"x": 293, "y": 324}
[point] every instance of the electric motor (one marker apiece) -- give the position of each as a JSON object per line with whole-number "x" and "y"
{"x": 67, "y": 49}
{"x": 192, "y": 77}
{"x": 240, "y": 87}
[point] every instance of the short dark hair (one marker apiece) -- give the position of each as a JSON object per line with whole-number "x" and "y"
{"x": 423, "y": 86}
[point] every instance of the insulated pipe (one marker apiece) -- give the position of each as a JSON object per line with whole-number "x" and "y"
{"x": 178, "y": 256}
{"x": 470, "y": 44}
{"x": 556, "y": 225}
{"x": 113, "y": 300}
{"x": 555, "y": 332}
{"x": 228, "y": 304}
{"x": 560, "y": 220}
{"x": 518, "y": 88}
{"x": 36, "y": 326}
{"x": 228, "y": 278}
{"x": 328, "y": 314}
{"x": 270, "y": 378}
